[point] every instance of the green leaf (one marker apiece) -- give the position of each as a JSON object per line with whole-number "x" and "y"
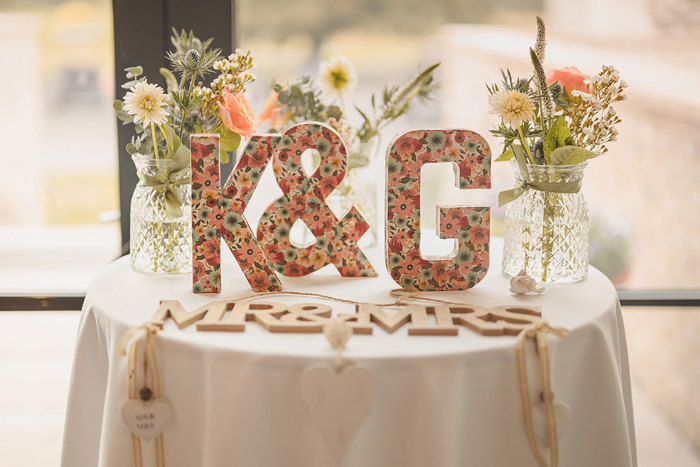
{"x": 174, "y": 141}
{"x": 224, "y": 157}
{"x": 334, "y": 112}
{"x": 229, "y": 140}
{"x": 364, "y": 116}
{"x": 558, "y": 136}
{"x": 506, "y": 156}
{"x": 570, "y": 155}
{"x": 129, "y": 84}
{"x": 170, "y": 79}
{"x": 117, "y": 105}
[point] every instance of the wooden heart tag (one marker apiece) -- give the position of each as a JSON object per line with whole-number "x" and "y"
{"x": 147, "y": 419}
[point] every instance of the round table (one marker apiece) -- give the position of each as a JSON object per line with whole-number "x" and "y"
{"x": 440, "y": 401}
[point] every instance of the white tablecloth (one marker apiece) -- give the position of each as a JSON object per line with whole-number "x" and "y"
{"x": 441, "y": 401}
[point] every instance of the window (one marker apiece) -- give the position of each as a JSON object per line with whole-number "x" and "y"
{"x": 59, "y": 219}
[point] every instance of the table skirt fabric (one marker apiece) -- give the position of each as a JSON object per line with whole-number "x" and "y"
{"x": 441, "y": 401}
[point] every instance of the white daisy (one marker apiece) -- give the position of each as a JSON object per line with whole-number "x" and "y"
{"x": 514, "y": 107}
{"x": 337, "y": 76}
{"x": 145, "y": 102}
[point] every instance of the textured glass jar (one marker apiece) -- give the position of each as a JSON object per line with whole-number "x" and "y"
{"x": 161, "y": 242}
{"x": 546, "y": 233}
{"x": 359, "y": 188}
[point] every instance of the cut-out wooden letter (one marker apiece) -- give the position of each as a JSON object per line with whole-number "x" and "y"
{"x": 218, "y": 213}
{"x": 471, "y": 156}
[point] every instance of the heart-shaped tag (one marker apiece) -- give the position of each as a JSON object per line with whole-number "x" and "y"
{"x": 562, "y": 412}
{"x": 147, "y": 419}
{"x": 339, "y": 402}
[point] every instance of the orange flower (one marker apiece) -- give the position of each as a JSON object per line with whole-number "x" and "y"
{"x": 570, "y": 78}
{"x": 272, "y": 111}
{"x": 236, "y": 113}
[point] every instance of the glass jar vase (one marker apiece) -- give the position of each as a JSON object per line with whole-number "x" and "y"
{"x": 161, "y": 232}
{"x": 359, "y": 188}
{"x": 546, "y": 233}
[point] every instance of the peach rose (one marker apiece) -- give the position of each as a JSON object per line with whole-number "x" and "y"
{"x": 272, "y": 111}
{"x": 236, "y": 113}
{"x": 570, "y": 78}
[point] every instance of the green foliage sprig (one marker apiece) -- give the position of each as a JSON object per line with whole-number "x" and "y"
{"x": 192, "y": 107}
{"x": 301, "y": 101}
{"x": 396, "y": 101}
{"x": 549, "y": 125}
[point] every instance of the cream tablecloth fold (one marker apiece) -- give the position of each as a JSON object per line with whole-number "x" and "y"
{"x": 441, "y": 401}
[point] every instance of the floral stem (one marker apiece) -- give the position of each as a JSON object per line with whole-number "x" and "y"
{"x": 167, "y": 141}
{"x": 547, "y": 233}
{"x": 189, "y": 96}
{"x": 155, "y": 143}
{"x": 525, "y": 145}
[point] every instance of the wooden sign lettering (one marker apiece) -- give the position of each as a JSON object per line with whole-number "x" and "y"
{"x": 425, "y": 320}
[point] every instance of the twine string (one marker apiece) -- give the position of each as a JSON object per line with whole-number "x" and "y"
{"x": 539, "y": 334}
{"x": 402, "y": 297}
{"x": 134, "y": 336}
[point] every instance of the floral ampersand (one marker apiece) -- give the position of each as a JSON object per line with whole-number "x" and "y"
{"x": 304, "y": 198}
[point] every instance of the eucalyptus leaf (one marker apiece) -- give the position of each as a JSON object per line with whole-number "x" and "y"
{"x": 133, "y": 71}
{"x": 570, "y": 155}
{"x": 129, "y": 84}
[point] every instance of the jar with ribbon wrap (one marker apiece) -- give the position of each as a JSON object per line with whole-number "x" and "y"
{"x": 546, "y": 223}
{"x": 161, "y": 231}
{"x": 551, "y": 125}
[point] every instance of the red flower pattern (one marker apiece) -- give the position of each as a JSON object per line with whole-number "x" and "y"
{"x": 470, "y": 152}
{"x": 208, "y": 197}
{"x": 304, "y": 198}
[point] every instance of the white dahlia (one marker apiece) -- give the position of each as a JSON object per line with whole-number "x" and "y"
{"x": 145, "y": 102}
{"x": 514, "y": 107}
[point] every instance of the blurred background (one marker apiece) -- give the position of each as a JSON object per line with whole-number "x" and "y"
{"x": 59, "y": 199}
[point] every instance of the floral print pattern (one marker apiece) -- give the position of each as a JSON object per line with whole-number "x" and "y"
{"x": 218, "y": 213}
{"x": 471, "y": 155}
{"x": 304, "y": 198}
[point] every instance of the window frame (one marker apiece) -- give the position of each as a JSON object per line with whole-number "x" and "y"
{"x": 143, "y": 39}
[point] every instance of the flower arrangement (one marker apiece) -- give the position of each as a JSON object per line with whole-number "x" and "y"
{"x": 160, "y": 226}
{"x": 560, "y": 118}
{"x": 324, "y": 100}
{"x": 551, "y": 124}
{"x": 163, "y": 121}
